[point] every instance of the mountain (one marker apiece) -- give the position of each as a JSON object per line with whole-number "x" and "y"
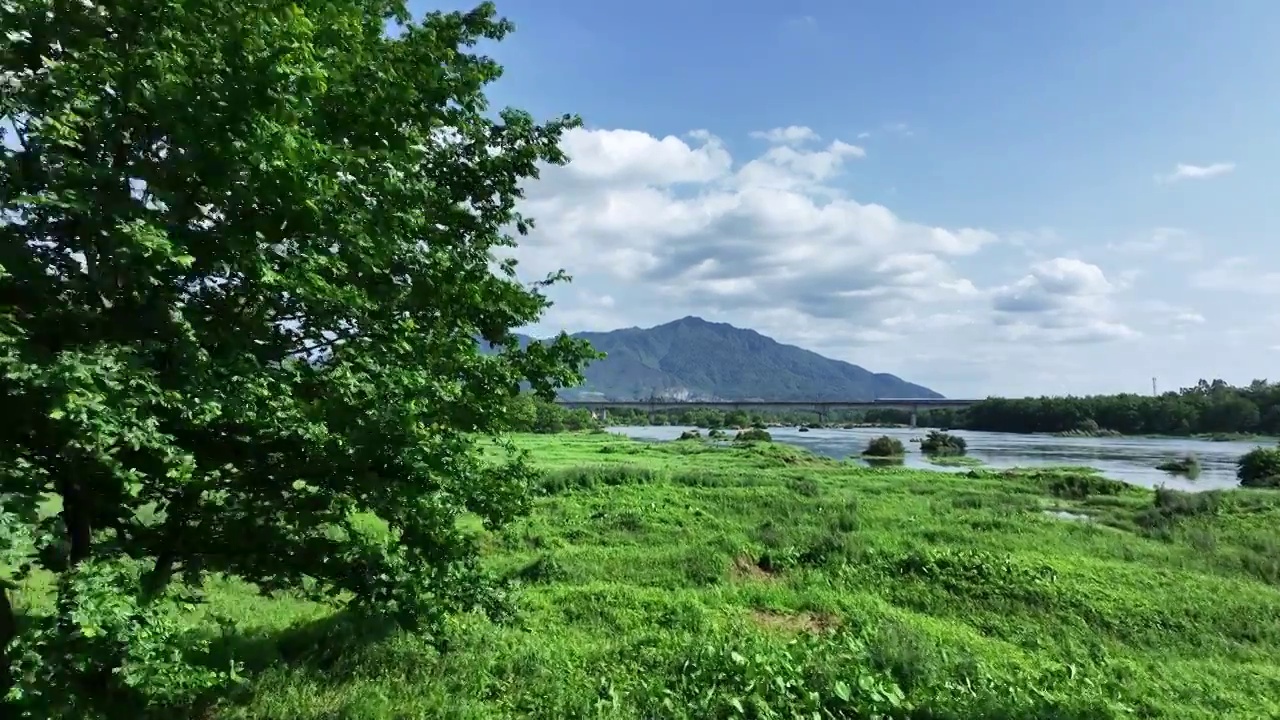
{"x": 695, "y": 359}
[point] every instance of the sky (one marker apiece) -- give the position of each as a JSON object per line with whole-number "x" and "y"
{"x": 994, "y": 197}
{"x": 987, "y": 198}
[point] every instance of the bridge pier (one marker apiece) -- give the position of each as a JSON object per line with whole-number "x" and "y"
{"x": 913, "y": 417}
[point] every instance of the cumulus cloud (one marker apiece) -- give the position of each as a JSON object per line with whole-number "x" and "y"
{"x": 665, "y": 227}
{"x": 1061, "y": 300}
{"x": 1184, "y": 171}
{"x": 769, "y": 230}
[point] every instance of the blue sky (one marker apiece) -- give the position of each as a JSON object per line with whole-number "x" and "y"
{"x": 1056, "y": 129}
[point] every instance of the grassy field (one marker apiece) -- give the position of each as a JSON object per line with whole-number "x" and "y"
{"x": 680, "y": 580}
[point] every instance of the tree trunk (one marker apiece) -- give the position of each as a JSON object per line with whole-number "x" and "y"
{"x": 8, "y": 629}
{"x": 175, "y": 523}
{"x": 75, "y": 515}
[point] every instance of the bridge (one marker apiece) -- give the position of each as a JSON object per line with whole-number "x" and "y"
{"x": 820, "y": 407}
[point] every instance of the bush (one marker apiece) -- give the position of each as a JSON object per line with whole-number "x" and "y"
{"x": 1078, "y": 486}
{"x": 941, "y": 443}
{"x": 1188, "y": 464}
{"x": 1260, "y": 467}
{"x": 753, "y": 435}
{"x": 690, "y": 435}
{"x": 587, "y": 477}
{"x": 1170, "y": 506}
{"x": 885, "y": 447}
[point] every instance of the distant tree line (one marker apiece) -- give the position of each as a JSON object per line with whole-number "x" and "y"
{"x": 1210, "y": 408}
{"x": 1206, "y": 408}
{"x": 713, "y": 418}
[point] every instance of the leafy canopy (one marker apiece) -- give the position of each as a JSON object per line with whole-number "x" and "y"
{"x": 1260, "y": 467}
{"x": 247, "y": 251}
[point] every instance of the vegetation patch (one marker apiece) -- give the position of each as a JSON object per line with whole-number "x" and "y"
{"x": 747, "y": 568}
{"x": 1188, "y": 465}
{"x": 1079, "y": 486}
{"x": 584, "y": 477}
{"x": 800, "y": 622}
{"x": 751, "y": 435}
{"x": 1260, "y": 467}
{"x": 942, "y": 443}
{"x": 955, "y": 461}
{"x": 884, "y": 447}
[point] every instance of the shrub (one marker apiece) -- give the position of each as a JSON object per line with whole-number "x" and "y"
{"x": 1260, "y": 467}
{"x": 885, "y": 447}
{"x": 753, "y": 435}
{"x": 1078, "y": 486}
{"x": 586, "y": 477}
{"x": 1169, "y": 506}
{"x": 1188, "y": 464}
{"x": 941, "y": 443}
{"x": 690, "y": 435}
{"x": 1176, "y": 503}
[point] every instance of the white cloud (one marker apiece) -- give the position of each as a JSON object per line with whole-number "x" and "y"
{"x": 899, "y": 128}
{"x": 633, "y": 158}
{"x": 654, "y": 229}
{"x": 1060, "y": 300}
{"x": 790, "y": 135}
{"x": 1167, "y": 243}
{"x": 1184, "y": 171}
{"x": 1238, "y": 275}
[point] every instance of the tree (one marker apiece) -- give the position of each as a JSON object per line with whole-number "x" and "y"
{"x": 885, "y": 447}
{"x": 1260, "y": 467}
{"x": 248, "y": 249}
{"x": 941, "y": 443}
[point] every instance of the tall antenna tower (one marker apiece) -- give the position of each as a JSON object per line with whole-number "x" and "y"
{"x": 1153, "y": 388}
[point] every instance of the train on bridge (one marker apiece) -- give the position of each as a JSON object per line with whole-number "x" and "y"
{"x": 820, "y": 407}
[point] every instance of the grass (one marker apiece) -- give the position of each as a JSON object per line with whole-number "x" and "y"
{"x": 953, "y": 461}
{"x": 689, "y": 580}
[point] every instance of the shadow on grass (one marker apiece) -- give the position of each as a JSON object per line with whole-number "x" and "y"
{"x": 331, "y": 646}
{"x": 332, "y": 650}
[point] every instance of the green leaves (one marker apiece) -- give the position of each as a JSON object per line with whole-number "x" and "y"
{"x": 1260, "y": 467}
{"x": 244, "y": 262}
{"x": 100, "y": 625}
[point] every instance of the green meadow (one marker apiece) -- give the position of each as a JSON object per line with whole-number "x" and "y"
{"x": 689, "y": 580}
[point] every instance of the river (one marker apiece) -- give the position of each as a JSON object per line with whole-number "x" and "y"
{"x": 1130, "y": 459}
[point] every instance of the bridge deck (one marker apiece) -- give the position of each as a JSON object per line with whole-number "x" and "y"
{"x": 899, "y": 403}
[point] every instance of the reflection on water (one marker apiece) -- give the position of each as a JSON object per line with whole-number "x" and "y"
{"x": 1132, "y": 460}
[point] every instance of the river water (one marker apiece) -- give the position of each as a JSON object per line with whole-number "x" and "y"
{"x": 1131, "y": 459}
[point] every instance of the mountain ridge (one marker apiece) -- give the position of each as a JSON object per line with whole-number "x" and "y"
{"x": 696, "y": 359}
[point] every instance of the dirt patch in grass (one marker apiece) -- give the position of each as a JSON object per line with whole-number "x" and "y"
{"x": 744, "y": 568}
{"x": 804, "y": 622}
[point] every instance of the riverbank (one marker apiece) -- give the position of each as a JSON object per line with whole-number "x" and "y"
{"x": 686, "y": 581}
{"x": 1133, "y": 460}
{"x": 1211, "y": 437}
